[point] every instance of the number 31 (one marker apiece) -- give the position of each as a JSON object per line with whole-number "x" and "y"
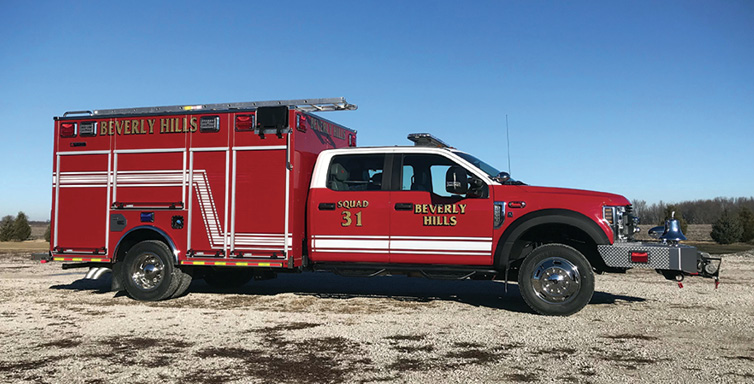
{"x": 347, "y": 219}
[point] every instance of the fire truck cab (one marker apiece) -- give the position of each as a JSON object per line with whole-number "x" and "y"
{"x": 160, "y": 196}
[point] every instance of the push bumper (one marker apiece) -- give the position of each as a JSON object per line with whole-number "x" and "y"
{"x": 670, "y": 260}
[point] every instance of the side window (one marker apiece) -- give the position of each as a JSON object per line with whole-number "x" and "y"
{"x": 425, "y": 173}
{"x": 356, "y": 173}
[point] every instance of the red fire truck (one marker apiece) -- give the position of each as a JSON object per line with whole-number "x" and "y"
{"x": 159, "y": 196}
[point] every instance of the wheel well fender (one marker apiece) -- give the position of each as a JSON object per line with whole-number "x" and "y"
{"x": 139, "y": 234}
{"x": 510, "y": 247}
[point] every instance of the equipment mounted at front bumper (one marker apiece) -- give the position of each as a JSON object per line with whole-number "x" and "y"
{"x": 673, "y": 261}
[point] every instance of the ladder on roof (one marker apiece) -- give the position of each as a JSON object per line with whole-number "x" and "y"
{"x": 304, "y": 105}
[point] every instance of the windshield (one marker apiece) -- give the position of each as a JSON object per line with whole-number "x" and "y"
{"x": 486, "y": 168}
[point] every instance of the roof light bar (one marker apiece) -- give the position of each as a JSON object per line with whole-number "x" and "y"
{"x": 426, "y": 140}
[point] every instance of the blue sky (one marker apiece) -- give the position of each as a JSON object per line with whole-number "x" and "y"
{"x": 650, "y": 99}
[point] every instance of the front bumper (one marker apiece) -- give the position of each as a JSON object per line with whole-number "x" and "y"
{"x": 661, "y": 257}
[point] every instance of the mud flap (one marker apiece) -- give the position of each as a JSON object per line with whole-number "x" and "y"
{"x": 117, "y": 281}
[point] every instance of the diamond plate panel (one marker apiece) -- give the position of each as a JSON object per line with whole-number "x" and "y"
{"x": 681, "y": 257}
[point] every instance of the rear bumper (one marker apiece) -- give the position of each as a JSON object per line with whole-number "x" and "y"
{"x": 682, "y": 258}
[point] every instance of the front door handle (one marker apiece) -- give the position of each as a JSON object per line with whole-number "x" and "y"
{"x": 404, "y": 206}
{"x": 326, "y": 206}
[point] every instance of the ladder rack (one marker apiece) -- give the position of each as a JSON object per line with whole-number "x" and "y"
{"x": 304, "y": 105}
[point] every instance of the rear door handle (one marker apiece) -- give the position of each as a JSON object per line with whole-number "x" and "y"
{"x": 404, "y": 206}
{"x": 326, "y": 206}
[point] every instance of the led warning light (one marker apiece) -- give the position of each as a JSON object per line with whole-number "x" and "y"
{"x": 244, "y": 122}
{"x": 67, "y": 129}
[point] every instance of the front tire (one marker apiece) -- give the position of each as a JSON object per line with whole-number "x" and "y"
{"x": 556, "y": 280}
{"x": 149, "y": 272}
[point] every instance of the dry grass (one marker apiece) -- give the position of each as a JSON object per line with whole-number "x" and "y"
{"x": 24, "y": 246}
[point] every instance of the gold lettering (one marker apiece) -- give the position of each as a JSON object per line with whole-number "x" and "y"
{"x": 193, "y": 124}
{"x": 428, "y": 220}
{"x": 119, "y": 127}
{"x": 126, "y": 127}
{"x": 449, "y": 208}
{"x": 417, "y": 209}
{"x": 151, "y": 126}
{"x": 366, "y": 203}
{"x": 453, "y": 221}
{"x": 463, "y": 208}
{"x": 103, "y": 128}
{"x": 112, "y": 131}
{"x": 142, "y": 128}
{"x": 163, "y": 125}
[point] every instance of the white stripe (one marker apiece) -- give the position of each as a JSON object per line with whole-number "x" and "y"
{"x": 350, "y": 237}
{"x": 440, "y": 238}
{"x": 101, "y": 152}
{"x": 263, "y": 234}
{"x": 346, "y": 244}
{"x": 349, "y": 251}
{"x": 209, "y": 149}
{"x": 259, "y": 148}
{"x": 460, "y": 253}
{"x": 150, "y": 150}
{"x": 441, "y": 245}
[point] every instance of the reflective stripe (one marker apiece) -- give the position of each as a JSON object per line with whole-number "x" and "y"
{"x": 232, "y": 263}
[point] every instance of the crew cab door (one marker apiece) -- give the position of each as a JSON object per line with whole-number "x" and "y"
{"x": 349, "y": 219}
{"x": 432, "y": 226}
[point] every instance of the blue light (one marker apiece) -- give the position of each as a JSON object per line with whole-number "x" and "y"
{"x": 147, "y": 217}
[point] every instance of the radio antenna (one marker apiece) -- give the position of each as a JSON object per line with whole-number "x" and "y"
{"x": 508, "y": 140}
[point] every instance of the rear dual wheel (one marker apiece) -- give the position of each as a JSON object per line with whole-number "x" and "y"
{"x": 150, "y": 273}
{"x": 556, "y": 280}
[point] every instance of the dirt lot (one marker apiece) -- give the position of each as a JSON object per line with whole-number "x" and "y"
{"x": 57, "y": 327}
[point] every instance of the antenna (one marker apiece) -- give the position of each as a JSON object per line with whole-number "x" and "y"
{"x": 508, "y": 140}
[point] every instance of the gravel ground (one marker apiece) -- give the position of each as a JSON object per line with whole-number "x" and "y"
{"x": 316, "y": 327}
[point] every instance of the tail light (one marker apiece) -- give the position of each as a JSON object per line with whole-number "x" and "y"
{"x": 67, "y": 129}
{"x": 244, "y": 122}
{"x": 639, "y": 257}
{"x": 351, "y": 140}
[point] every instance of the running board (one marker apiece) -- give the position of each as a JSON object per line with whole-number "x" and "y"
{"x": 437, "y": 272}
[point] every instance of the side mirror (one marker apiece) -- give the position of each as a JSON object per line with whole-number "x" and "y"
{"x": 502, "y": 177}
{"x": 456, "y": 181}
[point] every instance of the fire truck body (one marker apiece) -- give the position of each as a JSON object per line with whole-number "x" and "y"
{"x": 208, "y": 181}
{"x": 227, "y": 192}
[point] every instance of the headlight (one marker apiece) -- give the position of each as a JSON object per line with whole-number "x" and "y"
{"x": 621, "y": 220}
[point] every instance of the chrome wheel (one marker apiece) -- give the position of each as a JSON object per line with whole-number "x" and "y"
{"x": 148, "y": 271}
{"x": 556, "y": 280}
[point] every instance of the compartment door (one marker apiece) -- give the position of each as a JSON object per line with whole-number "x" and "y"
{"x": 260, "y": 198}
{"x": 81, "y": 189}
